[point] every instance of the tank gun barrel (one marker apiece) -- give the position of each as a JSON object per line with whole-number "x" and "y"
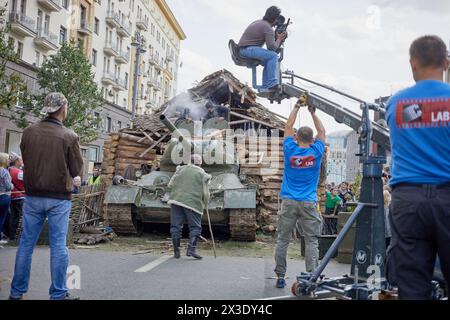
{"x": 185, "y": 141}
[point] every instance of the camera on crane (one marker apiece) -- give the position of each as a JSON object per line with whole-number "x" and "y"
{"x": 281, "y": 27}
{"x": 281, "y": 24}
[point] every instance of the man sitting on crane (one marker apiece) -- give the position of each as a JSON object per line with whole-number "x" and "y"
{"x": 251, "y": 44}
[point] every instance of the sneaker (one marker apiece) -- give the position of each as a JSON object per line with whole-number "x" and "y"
{"x": 67, "y": 297}
{"x": 281, "y": 283}
{"x": 15, "y": 298}
{"x": 71, "y": 297}
{"x": 3, "y": 242}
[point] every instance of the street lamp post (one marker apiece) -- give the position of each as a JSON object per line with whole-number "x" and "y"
{"x": 139, "y": 44}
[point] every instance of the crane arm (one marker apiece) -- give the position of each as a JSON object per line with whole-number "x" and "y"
{"x": 380, "y": 134}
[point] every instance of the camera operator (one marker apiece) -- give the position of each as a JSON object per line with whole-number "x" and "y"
{"x": 251, "y": 44}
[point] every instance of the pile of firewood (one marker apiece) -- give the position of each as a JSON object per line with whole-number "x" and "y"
{"x": 262, "y": 162}
{"x": 127, "y": 149}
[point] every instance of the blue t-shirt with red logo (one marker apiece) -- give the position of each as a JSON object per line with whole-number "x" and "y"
{"x": 419, "y": 123}
{"x": 301, "y": 170}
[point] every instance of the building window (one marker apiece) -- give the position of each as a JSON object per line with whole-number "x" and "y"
{"x": 124, "y": 103}
{"x": 38, "y": 59}
{"x": 62, "y": 35}
{"x": 126, "y": 79}
{"x": 108, "y": 124}
{"x": 142, "y": 91}
{"x": 12, "y": 143}
{"x": 96, "y": 26}
{"x": 93, "y": 154}
{"x": 65, "y": 4}
{"x": 83, "y": 16}
{"x": 94, "y": 57}
{"x": 97, "y": 117}
{"x": 19, "y": 49}
{"x": 119, "y": 123}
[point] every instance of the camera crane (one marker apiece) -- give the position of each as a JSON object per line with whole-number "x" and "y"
{"x": 369, "y": 254}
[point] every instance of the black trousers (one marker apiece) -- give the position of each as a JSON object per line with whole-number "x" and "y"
{"x": 420, "y": 222}
{"x": 14, "y": 217}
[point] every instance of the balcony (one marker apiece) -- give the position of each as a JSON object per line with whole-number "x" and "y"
{"x": 169, "y": 73}
{"x": 112, "y": 19}
{"x": 85, "y": 28}
{"x": 142, "y": 24}
{"x": 155, "y": 83}
{"x": 46, "y": 40}
{"x": 170, "y": 58}
{"x": 120, "y": 84}
{"x": 51, "y": 5}
{"x": 111, "y": 49}
{"x": 108, "y": 78}
{"x": 124, "y": 30}
{"x": 122, "y": 57}
{"x": 152, "y": 60}
{"x": 159, "y": 66}
{"x": 22, "y": 25}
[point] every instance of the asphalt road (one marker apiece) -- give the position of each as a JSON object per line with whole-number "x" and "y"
{"x": 124, "y": 276}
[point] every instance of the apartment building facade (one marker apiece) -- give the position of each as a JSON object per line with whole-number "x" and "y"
{"x": 106, "y": 29}
{"x": 343, "y": 164}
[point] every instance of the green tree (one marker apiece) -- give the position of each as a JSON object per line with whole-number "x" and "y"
{"x": 12, "y": 87}
{"x": 70, "y": 72}
{"x": 357, "y": 186}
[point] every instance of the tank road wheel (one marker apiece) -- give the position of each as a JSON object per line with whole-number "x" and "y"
{"x": 120, "y": 219}
{"x": 243, "y": 224}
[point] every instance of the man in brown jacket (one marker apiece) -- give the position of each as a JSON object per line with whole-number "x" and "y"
{"x": 52, "y": 158}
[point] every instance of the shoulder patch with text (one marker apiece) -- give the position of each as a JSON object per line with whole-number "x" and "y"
{"x": 423, "y": 113}
{"x": 303, "y": 162}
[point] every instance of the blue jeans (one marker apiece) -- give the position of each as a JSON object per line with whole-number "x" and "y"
{"x": 270, "y": 61}
{"x": 178, "y": 215}
{"x": 35, "y": 211}
{"x": 5, "y": 201}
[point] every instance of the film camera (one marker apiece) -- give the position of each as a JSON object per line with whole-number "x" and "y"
{"x": 281, "y": 24}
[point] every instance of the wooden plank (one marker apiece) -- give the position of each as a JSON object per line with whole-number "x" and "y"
{"x": 132, "y": 138}
{"x": 147, "y": 136}
{"x": 262, "y": 171}
{"x": 254, "y": 120}
{"x": 154, "y": 145}
{"x": 135, "y": 155}
{"x": 132, "y": 149}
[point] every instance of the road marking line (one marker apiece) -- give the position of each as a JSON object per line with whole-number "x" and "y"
{"x": 153, "y": 264}
{"x": 277, "y": 298}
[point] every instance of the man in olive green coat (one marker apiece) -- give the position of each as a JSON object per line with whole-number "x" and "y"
{"x": 188, "y": 199}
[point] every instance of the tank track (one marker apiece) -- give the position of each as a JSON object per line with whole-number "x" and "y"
{"x": 243, "y": 224}
{"x": 119, "y": 218}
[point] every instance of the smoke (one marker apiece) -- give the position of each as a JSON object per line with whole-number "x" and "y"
{"x": 185, "y": 104}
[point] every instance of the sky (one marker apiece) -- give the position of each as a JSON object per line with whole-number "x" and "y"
{"x": 357, "y": 46}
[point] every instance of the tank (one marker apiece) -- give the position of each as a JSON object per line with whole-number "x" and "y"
{"x": 132, "y": 204}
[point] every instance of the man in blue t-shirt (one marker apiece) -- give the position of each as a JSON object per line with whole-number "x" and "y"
{"x": 302, "y": 162}
{"x": 419, "y": 123}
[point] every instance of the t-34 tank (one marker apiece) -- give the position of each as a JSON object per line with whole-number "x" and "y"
{"x": 131, "y": 204}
